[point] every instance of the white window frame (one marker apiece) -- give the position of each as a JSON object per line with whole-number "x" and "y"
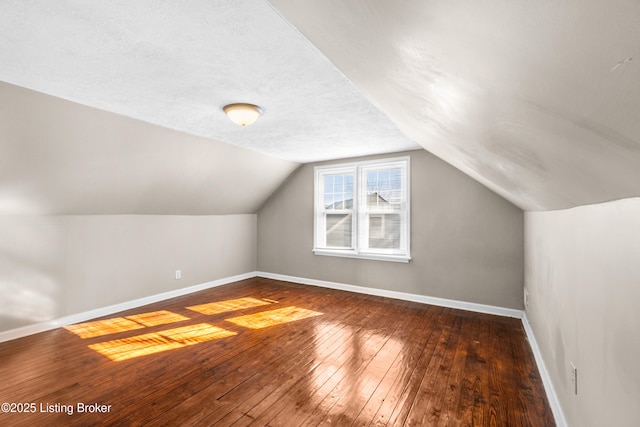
{"x": 359, "y": 212}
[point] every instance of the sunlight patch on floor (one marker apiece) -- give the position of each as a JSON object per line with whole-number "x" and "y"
{"x": 103, "y": 327}
{"x": 229, "y": 305}
{"x": 268, "y": 318}
{"x": 122, "y": 324}
{"x": 155, "y": 318}
{"x": 141, "y": 345}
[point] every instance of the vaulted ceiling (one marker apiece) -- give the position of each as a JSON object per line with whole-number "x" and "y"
{"x": 176, "y": 64}
{"x": 539, "y": 101}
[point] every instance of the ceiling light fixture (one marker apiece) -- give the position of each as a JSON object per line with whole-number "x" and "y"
{"x": 242, "y": 114}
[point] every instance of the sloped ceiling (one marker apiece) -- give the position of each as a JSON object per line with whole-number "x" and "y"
{"x": 538, "y": 100}
{"x": 176, "y": 64}
{"x": 171, "y": 66}
{"x": 61, "y": 158}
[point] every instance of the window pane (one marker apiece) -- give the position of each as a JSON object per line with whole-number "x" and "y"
{"x": 338, "y": 191}
{"x": 348, "y": 184}
{"x": 383, "y": 180}
{"x": 384, "y": 231}
{"x": 337, "y": 184}
{"x": 328, "y": 183}
{"x": 384, "y": 189}
{"x": 395, "y": 187}
{"x": 338, "y": 230}
{"x": 372, "y": 182}
{"x": 328, "y": 200}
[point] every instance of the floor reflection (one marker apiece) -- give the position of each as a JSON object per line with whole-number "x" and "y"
{"x": 350, "y": 374}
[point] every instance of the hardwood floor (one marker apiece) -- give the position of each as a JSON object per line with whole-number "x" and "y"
{"x": 263, "y": 352}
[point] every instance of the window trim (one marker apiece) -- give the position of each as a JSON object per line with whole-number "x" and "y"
{"x": 357, "y": 169}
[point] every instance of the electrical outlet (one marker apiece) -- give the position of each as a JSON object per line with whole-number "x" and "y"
{"x": 178, "y": 274}
{"x": 574, "y": 377}
{"x": 526, "y": 299}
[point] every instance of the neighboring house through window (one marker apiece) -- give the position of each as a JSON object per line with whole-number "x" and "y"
{"x": 362, "y": 210}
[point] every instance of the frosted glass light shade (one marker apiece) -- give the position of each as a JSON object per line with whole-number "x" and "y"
{"x": 242, "y": 114}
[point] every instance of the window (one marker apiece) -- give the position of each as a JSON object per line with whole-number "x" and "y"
{"x": 362, "y": 210}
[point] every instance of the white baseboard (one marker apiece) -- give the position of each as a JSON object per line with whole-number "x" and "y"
{"x": 105, "y": 311}
{"x": 558, "y": 414}
{"x": 462, "y": 305}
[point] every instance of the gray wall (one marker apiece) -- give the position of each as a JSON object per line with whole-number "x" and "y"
{"x": 583, "y": 278}
{"x": 53, "y": 266}
{"x": 466, "y": 242}
{"x": 91, "y": 205}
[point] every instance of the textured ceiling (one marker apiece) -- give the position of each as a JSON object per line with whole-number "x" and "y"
{"x": 538, "y": 100}
{"x": 176, "y": 63}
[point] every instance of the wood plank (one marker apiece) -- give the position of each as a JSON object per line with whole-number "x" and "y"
{"x": 325, "y": 376}
{"x": 415, "y": 346}
{"x": 364, "y": 360}
{"x": 441, "y": 329}
{"x": 427, "y": 405}
{"x": 405, "y": 358}
{"x": 354, "y": 389}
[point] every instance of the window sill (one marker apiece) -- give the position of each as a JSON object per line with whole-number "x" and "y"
{"x": 370, "y": 256}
